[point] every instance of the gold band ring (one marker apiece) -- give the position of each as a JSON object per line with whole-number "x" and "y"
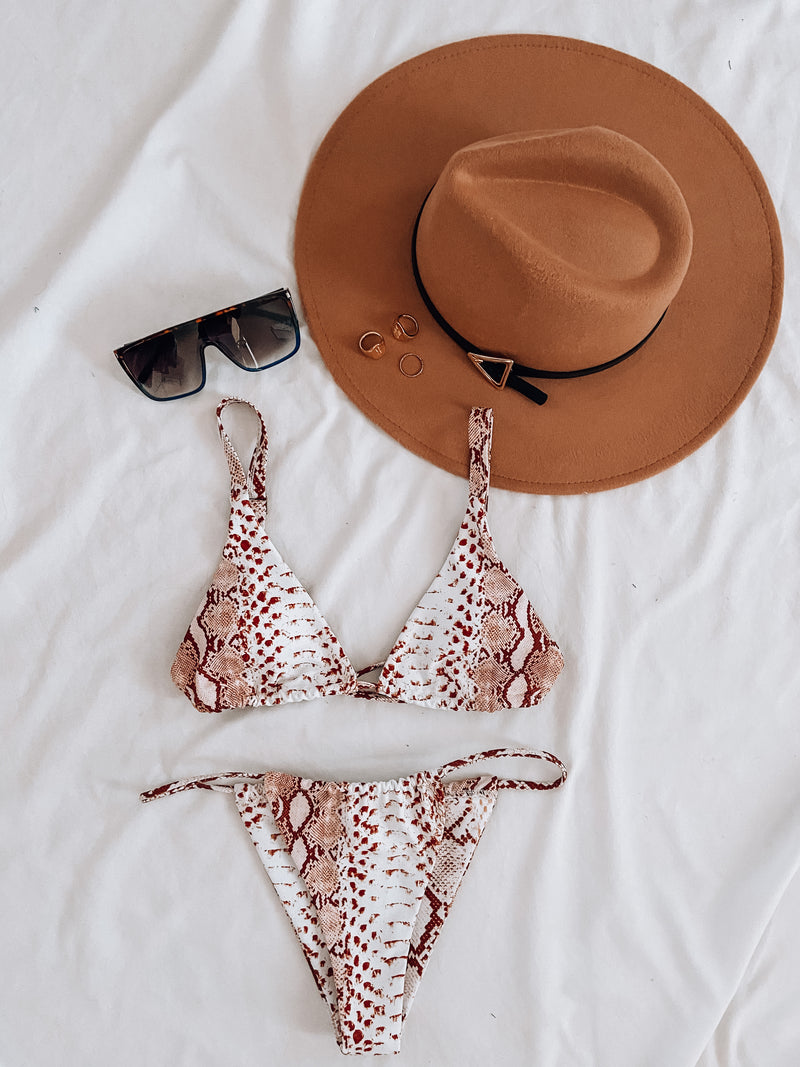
{"x": 412, "y": 356}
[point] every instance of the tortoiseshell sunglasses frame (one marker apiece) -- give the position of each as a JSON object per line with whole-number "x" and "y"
{"x": 203, "y": 343}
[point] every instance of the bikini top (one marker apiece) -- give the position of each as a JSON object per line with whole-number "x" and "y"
{"x": 258, "y": 639}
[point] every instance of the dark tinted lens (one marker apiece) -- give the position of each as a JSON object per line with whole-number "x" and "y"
{"x": 168, "y": 366}
{"x": 255, "y": 336}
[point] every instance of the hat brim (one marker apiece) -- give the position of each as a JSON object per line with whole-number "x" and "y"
{"x": 355, "y": 220}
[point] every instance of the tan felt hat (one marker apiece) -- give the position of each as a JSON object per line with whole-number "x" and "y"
{"x": 584, "y": 244}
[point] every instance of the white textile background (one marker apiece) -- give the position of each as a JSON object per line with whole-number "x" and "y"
{"x": 645, "y": 915}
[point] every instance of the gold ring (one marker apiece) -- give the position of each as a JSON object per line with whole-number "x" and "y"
{"x": 372, "y": 344}
{"x": 412, "y": 373}
{"x": 405, "y": 326}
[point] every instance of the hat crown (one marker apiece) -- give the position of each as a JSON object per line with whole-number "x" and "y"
{"x": 560, "y": 248}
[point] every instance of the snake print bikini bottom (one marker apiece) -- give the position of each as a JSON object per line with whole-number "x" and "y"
{"x": 367, "y": 872}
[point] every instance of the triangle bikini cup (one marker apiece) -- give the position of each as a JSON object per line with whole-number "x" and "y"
{"x": 474, "y": 642}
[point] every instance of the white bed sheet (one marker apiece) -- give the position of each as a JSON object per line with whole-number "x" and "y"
{"x": 645, "y": 915}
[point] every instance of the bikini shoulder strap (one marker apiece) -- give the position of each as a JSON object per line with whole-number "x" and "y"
{"x": 255, "y": 482}
{"x": 511, "y": 783}
{"x": 222, "y": 783}
{"x": 481, "y": 421}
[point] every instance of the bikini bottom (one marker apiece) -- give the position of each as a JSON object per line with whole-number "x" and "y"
{"x": 367, "y": 873}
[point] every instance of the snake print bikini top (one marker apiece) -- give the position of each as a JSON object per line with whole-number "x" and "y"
{"x": 473, "y": 641}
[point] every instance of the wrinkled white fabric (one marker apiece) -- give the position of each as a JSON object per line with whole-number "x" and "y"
{"x": 151, "y": 166}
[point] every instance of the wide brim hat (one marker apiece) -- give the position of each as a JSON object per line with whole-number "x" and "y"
{"x": 362, "y": 202}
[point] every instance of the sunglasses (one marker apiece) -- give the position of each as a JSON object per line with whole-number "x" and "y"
{"x": 254, "y": 335}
